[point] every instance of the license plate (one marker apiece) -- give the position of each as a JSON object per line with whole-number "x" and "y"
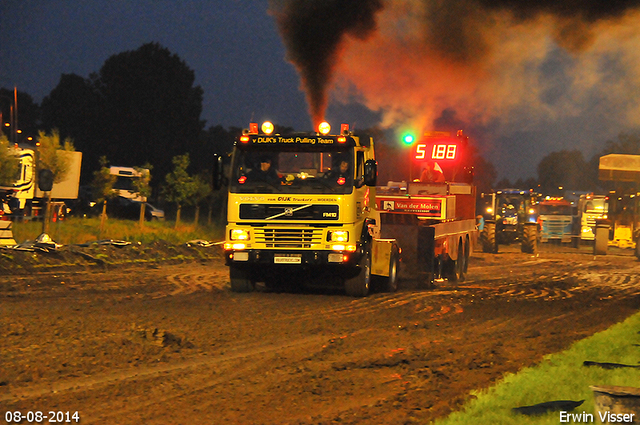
{"x": 287, "y": 259}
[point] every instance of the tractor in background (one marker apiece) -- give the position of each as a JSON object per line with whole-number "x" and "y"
{"x": 509, "y": 216}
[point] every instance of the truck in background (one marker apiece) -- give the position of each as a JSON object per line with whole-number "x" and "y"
{"x": 591, "y": 208}
{"x": 124, "y": 182}
{"x": 622, "y": 226}
{"x": 556, "y": 218}
{"x": 25, "y": 200}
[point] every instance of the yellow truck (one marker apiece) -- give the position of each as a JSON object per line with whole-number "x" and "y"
{"x": 303, "y": 207}
{"x": 622, "y": 226}
{"x": 305, "y": 202}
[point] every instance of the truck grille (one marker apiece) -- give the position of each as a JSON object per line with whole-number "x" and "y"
{"x": 556, "y": 227}
{"x": 288, "y": 238}
{"x": 288, "y": 212}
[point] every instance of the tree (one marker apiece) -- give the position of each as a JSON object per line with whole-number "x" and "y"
{"x": 9, "y": 163}
{"x": 202, "y": 190}
{"x": 102, "y": 185}
{"x": 626, "y": 144}
{"x": 142, "y": 187}
{"x": 179, "y": 187}
{"x": 50, "y": 157}
{"x": 73, "y": 107}
{"x": 562, "y": 170}
{"x": 150, "y": 107}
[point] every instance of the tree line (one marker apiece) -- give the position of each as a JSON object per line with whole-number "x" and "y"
{"x": 142, "y": 106}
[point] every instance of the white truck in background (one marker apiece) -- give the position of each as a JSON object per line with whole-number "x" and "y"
{"x": 23, "y": 198}
{"x": 124, "y": 182}
{"x": 591, "y": 208}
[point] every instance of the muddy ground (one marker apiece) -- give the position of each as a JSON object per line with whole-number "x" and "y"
{"x": 154, "y": 335}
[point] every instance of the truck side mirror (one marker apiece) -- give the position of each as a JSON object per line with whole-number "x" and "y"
{"x": 217, "y": 171}
{"x": 45, "y": 180}
{"x": 370, "y": 172}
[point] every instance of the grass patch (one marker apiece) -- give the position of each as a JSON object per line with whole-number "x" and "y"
{"x": 76, "y": 230}
{"x": 558, "y": 377}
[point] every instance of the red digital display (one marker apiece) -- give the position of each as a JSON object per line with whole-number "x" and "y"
{"x": 437, "y": 151}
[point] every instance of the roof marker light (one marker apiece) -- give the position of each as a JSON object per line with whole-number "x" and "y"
{"x": 267, "y": 127}
{"x": 244, "y": 139}
{"x": 324, "y": 128}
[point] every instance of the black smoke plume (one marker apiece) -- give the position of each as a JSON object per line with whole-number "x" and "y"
{"x": 313, "y": 32}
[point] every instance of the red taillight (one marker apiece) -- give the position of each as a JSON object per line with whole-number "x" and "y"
{"x": 342, "y": 181}
{"x": 242, "y": 179}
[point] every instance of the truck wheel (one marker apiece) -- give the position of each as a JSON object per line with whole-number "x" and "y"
{"x": 240, "y": 280}
{"x": 467, "y": 251}
{"x": 601, "y": 241}
{"x": 394, "y": 266}
{"x": 530, "y": 240}
{"x": 460, "y": 263}
{"x": 455, "y": 268}
{"x": 358, "y": 285}
{"x": 489, "y": 241}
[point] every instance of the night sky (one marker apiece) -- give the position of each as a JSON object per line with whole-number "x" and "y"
{"x": 530, "y": 93}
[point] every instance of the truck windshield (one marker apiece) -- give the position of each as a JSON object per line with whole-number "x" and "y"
{"x": 292, "y": 171}
{"x": 596, "y": 206}
{"x": 546, "y": 209}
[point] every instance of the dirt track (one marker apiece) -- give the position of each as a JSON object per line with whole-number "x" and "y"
{"x": 170, "y": 344}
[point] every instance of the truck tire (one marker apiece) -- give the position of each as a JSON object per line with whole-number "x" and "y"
{"x": 394, "y": 268}
{"x": 455, "y": 268}
{"x": 358, "y": 285}
{"x": 489, "y": 241}
{"x": 240, "y": 280}
{"x": 461, "y": 263}
{"x": 601, "y": 240}
{"x": 530, "y": 239}
{"x": 467, "y": 252}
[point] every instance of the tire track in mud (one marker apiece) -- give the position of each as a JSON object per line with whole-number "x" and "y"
{"x": 97, "y": 381}
{"x": 414, "y": 301}
{"x": 194, "y": 281}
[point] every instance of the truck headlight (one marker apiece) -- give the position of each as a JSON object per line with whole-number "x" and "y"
{"x": 338, "y": 236}
{"x": 239, "y": 235}
{"x": 234, "y": 246}
{"x": 340, "y": 247}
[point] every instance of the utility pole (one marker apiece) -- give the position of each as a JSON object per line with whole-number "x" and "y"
{"x": 15, "y": 115}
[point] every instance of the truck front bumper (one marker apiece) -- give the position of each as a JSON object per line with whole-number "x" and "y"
{"x": 287, "y": 258}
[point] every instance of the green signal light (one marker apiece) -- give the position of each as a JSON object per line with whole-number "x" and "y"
{"x": 408, "y": 139}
